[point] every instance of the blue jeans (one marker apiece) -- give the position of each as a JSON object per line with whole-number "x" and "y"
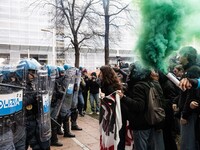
{"x": 148, "y": 139}
{"x": 80, "y": 102}
{"x": 94, "y": 97}
{"x": 188, "y": 138}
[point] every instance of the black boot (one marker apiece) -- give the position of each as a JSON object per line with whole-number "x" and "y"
{"x": 59, "y": 130}
{"x": 69, "y": 135}
{"x": 67, "y": 132}
{"x": 74, "y": 116}
{"x": 54, "y": 138}
{"x": 81, "y": 114}
{"x": 56, "y": 144}
{"x": 76, "y": 128}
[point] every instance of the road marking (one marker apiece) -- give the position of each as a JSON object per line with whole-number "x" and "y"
{"x": 80, "y": 144}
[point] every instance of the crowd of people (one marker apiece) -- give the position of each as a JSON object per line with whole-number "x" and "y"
{"x": 39, "y": 102}
{"x": 180, "y": 127}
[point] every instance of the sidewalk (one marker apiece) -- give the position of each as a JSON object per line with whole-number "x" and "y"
{"x": 87, "y": 139}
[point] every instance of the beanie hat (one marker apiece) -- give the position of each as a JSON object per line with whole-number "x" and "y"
{"x": 94, "y": 74}
{"x": 84, "y": 70}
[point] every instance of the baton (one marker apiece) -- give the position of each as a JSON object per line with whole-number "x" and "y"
{"x": 56, "y": 122}
{"x": 10, "y": 85}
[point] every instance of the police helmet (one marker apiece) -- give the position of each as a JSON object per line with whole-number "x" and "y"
{"x": 1, "y": 77}
{"x": 67, "y": 66}
{"x": 30, "y": 64}
{"x": 52, "y": 70}
{"x": 8, "y": 72}
{"x": 61, "y": 70}
{"x": 80, "y": 68}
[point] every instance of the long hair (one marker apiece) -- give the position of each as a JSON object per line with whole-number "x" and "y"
{"x": 110, "y": 77}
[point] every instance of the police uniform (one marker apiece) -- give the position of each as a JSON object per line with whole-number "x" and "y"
{"x": 32, "y": 129}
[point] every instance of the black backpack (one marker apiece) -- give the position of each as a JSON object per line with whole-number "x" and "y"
{"x": 155, "y": 114}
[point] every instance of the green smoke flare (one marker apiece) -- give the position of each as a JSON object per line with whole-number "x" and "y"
{"x": 166, "y": 26}
{"x": 161, "y": 33}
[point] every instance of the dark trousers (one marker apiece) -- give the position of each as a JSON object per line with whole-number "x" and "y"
{"x": 33, "y": 137}
{"x": 169, "y": 133}
{"x": 85, "y": 97}
{"x": 54, "y": 137}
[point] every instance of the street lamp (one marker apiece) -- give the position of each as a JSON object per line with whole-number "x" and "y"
{"x": 53, "y": 44}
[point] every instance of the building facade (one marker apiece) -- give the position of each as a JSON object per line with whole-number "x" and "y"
{"x": 26, "y": 32}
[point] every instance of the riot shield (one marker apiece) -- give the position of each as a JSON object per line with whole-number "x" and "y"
{"x": 44, "y": 120}
{"x": 68, "y": 86}
{"x": 51, "y": 81}
{"x": 76, "y": 89}
{"x": 11, "y": 102}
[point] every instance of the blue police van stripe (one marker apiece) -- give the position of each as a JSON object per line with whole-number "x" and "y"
{"x": 11, "y": 103}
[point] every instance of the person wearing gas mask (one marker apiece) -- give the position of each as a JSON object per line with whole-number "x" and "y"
{"x": 37, "y": 107}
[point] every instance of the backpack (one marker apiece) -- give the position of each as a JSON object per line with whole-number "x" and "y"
{"x": 155, "y": 114}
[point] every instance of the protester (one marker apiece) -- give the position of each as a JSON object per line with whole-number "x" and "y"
{"x": 188, "y": 115}
{"x": 94, "y": 93}
{"x": 81, "y": 104}
{"x": 171, "y": 94}
{"x": 110, "y": 84}
{"x": 145, "y": 135}
{"x": 85, "y": 89}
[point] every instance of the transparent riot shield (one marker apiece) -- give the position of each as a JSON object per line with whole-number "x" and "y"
{"x": 51, "y": 82}
{"x": 68, "y": 86}
{"x": 70, "y": 76}
{"x": 11, "y": 102}
{"x": 44, "y": 120}
{"x": 76, "y": 89}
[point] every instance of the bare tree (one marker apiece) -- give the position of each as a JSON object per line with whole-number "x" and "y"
{"x": 76, "y": 14}
{"x": 75, "y": 19}
{"x": 82, "y": 20}
{"x": 116, "y": 7}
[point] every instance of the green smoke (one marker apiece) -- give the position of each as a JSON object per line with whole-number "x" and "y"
{"x": 191, "y": 20}
{"x": 164, "y": 29}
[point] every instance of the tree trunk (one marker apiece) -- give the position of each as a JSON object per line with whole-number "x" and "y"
{"x": 106, "y": 48}
{"x": 77, "y": 55}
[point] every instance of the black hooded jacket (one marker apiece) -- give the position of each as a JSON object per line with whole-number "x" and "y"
{"x": 192, "y": 71}
{"x": 137, "y": 104}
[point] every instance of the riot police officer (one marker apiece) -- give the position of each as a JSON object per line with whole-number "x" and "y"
{"x": 61, "y": 86}
{"x": 52, "y": 74}
{"x": 74, "y": 103}
{"x": 6, "y": 135}
{"x": 38, "y": 131}
{"x": 16, "y": 78}
{"x": 74, "y": 110}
